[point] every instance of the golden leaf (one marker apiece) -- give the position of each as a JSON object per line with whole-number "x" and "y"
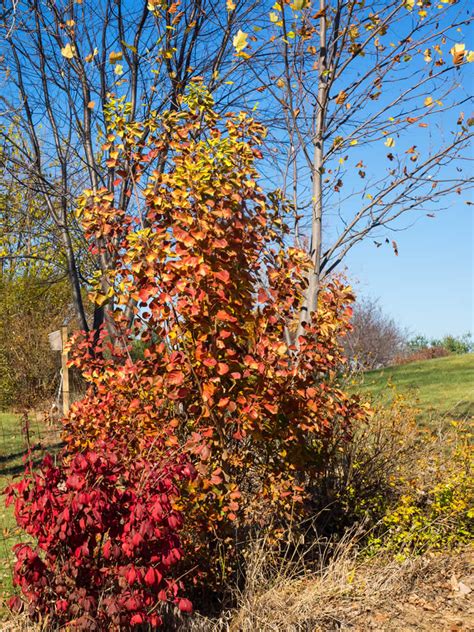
{"x": 68, "y": 51}
{"x": 114, "y": 57}
{"x": 428, "y": 101}
{"x": 458, "y": 51}
{"x": 389, "y": 142}
{"x": 90, "y": 57}
{"x": 341, "y": 97}
{"x": 298, "y": 5}
{"x": 240, "y": 41}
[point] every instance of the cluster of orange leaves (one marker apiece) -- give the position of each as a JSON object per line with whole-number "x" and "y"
{"x": 214, "y": 291}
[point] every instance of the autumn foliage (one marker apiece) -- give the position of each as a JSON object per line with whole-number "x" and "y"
{"x": 201, "y": 275}
{"x": 107, "y": 539}
{"x": 215, "y": 292}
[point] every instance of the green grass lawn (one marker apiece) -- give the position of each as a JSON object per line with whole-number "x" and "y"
{"x": 441, "y": 386}
{"x": 13, "y": 449}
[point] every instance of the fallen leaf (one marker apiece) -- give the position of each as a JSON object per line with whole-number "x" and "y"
{"x": 464, "y": 589}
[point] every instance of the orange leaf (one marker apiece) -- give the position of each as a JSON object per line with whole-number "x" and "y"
{"x": 176, "y": 378}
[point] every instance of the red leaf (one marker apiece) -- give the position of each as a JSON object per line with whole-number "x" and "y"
{"x": 185, "y": 605}
{"x": 150, "y": 577}
{"x": 137, "y": 619}
{"x": 222, "y": 368}
{"x": 223, "y": 275}
{"x": 224, "y": 316}
{"x": 131, "y": 575}
{"x": 262, "y": 295}
{"x": 176, "y": 378}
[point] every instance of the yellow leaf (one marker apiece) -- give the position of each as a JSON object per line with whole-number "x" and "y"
{"x": 114, "y": 57}
{"x": 118, "y": 70}
{"x": 341, "y": 97}
{"x": 240, "y": 41}
{"x": 458, "y": 51}
{"x": 90, "y": 57}
{"x": 409, "y": 4}
{"x": 68, "y": 51}
{"x": 70, "y": 23}
{"x": 230, "y": 5}
{"x": 298, "y": 5}
{"x": 129, "y": 46}
{"x": 470, "y": 56}
{"x": 428, "y": 101}
{"x": 427, "y": 55}
{"x": 389, "y": 142}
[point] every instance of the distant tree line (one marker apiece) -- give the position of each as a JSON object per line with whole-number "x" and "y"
{"x": 376, "y": 340}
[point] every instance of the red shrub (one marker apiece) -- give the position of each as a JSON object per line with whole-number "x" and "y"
{"x": 106, "y": 534}
{"x": 426, "y": 353}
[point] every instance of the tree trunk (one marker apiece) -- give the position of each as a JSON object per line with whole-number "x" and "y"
{"x": 311, "y": 299}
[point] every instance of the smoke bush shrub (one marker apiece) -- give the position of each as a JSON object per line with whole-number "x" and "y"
{"x": 106, "y": 539}
{"x": 209, "y": 294}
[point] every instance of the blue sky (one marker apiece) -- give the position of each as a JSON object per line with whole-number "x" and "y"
{"x": 428, "y": 288}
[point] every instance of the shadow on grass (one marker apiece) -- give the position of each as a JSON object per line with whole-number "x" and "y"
{"x": 8, "y": 468}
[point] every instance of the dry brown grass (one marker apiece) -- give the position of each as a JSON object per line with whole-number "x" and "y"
{"x": 329, "y": 588}
{"x": 429, "y": 592}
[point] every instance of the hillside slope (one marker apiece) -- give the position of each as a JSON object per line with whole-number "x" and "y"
{"x": 442, "y": 385}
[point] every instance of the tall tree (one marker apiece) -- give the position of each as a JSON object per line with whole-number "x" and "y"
{"x": 366, "y": 105}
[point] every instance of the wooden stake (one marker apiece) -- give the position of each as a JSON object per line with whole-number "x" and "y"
{"x": 64, "y": 357}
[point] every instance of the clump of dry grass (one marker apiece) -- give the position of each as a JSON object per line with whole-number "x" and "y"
{"x": 344, "y": 592}
{"x": 340, "y": 595}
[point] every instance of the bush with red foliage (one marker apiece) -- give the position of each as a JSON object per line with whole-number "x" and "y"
{"x": 107, "y": 539}
{"x": 426, "y": 353}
